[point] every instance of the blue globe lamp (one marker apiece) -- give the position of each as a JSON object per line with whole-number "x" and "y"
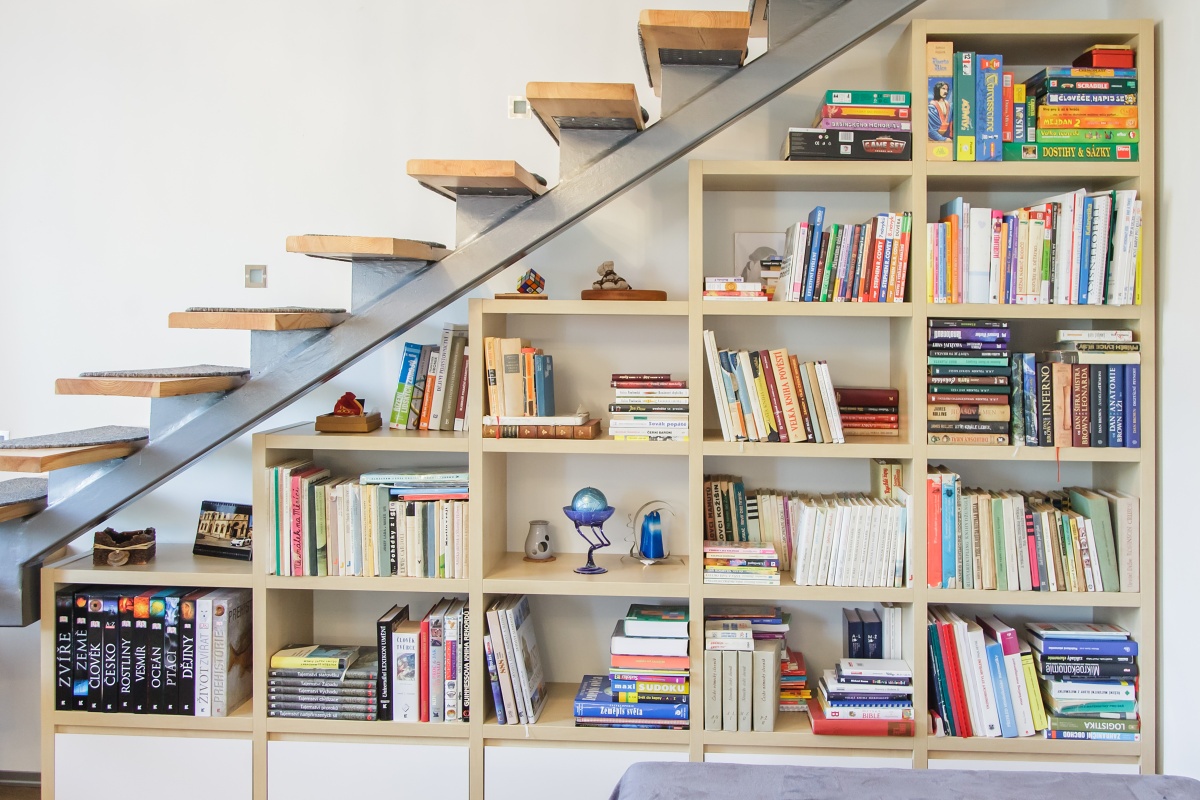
{"x": 588, "y": 510}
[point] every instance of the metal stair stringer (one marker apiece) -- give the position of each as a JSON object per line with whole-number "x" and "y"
{"x": 24, "y": 544}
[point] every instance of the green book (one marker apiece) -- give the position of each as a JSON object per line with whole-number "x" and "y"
{"x": 953, "y": 361}
{"x": 840, "y": 97}
{"x": 998, "y": 520}
{"x": 1095, "y": 508}
{"x": 951, "y": 388}
{"x": 1056, "y": 722}
{"x": 739, "y": 510}
{"x": 657, "y": 621}
{"x": 1087, "y": 136}
{"x": 1089, "y": 151}
{"x": 315, "y": 656}
{"x": 964, "y": 106}
{"x": 831, "y": 259}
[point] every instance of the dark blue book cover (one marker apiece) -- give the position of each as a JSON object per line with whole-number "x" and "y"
{"x": 872, "y": 633}
{"x": 543, "y": 378}
{"x": 852, "y": 634}
{"x": 950, "y": 559}
{"x": 1085, "y": 647}
{"x": 816, "y": 220}
{"x": 1133, "y": 405}
{"x": 1016, "y": 403}
{"x": 1085, "y": 251}
{"x": 1013, "y": 229}
{"x": 595, "y": 700}
{"x": 1029, "y": 399}
{"x": 1116, "y": 405}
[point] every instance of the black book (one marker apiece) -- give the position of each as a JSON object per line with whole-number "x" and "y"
{"x": 966, "y": 426}
{"x": 1086, "y": 659}
{"x": 1045, "y": 398}
{"x": 1088, "y": 671}
{"x": 852, "y": 633}
{"x": 1039, "y": 534}
{"x": 139, "y": 684}
{"x": 393, "y": 523}
{"x": 957, "y": 347}
{"x": 171, "y": 652}
{"x": 64, "y": 649}
{"x": 465, "y": 661}
{"x": 968, "y": 370}
{"x": 1098, "y": 389}
{"x": 322, "y": 685}
{"x": 155, "y": 636}
{"x": 110, "y": 677}
{"x": 95, "y": 650}
{"x": 296, "y": 693}
{"x": 125, "y": 603}
{"x": 968, "y": 323}
{"x": 80, "y": 675}
{"x": 384, "y": 627}
{"x": 187, "y": 653}
{"x": 872, "y": 632}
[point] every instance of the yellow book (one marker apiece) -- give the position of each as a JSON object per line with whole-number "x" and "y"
{"x": 1031, "y": 681}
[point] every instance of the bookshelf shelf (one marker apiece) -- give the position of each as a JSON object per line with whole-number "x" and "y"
{"x": 573, "y": 308}
{"x": 806, "y": 176}
{"x": 172, "y": 564}
{"x": 241, "y": 720}
{"x": 793, "y": 729}
{"x": 557, "y": 724}
{"x": 342, "y": 727}
{"x": 626, "y": 577}
{"x": 1115, "y": 455}
{"x": 601, "y": 445}
{"x": 1032, "y": 746}
{"x": 859, "y": 447}
{"x": 745, "y": 309}
{"x": 790, "y": 592}
{"x": 358, "y": 584}
{"x": 305, "y": 437}
{"x": 1071, "y": 314}
{"x": 1073, "y": 599}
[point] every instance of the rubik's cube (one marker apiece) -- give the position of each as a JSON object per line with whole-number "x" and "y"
{"x": 531, "y": 283}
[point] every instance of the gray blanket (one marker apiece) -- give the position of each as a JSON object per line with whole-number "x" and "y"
{"x": 698, "y": 781}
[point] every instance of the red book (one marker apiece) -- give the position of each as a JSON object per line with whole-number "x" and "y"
{"x": 764, "y": 357}
{"x": 423, "y": 655}
{"x": 656, "y": 384}
{"x": 851, "y": 422}
{"x": 1105, "y": 57}
{"x": 854, "y": 396}
{"x": 900, "y": 279}
{"x": 652, "y": 662}
{"x": 933, "y": 530}
{"x": 1031, "y": 541}
{"x": 969, "y": 399}
{"x": 865, "y": 112}
{"x": 640, "y": 376}
{"x": 954, "y": 678}
{"x": 856, "y": 727}
{"x": 893, "y": 418}
{"x": 460, "y": 410}
{"x": 1006, "y": 129}
{"x": 879, "y": 245}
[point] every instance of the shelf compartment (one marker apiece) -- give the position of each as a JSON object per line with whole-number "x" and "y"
{"x": 803, "y": 176}
{"x": 240, "y": 720}
{"x": 304, "y": 436}
{"x": 1076, "y": 599}
{"x": 626, "y": 577}
{"x": 557, "y": 724}
{"x": 612, "y": 308}
{"x": 173, "y": 565}
{"x": 794, "y": 729}
{"x": 1032, "y": 745}
{"x": 771, "y": 309}
{"x": 345, "y": 727}
{"x": 789, "y": 591}
{"x": 361, "y": 584}
{"x": 857, "y": 447}
{"x": 601, "y": 445}
{"x": 1073, "y": 313}
{"x": 1112, "y": 455}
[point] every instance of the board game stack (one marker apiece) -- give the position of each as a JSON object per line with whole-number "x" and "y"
{"x": 1088, "y": 673}
{"x": 969, "y": 382}
{"x": 864, "y": 697}
{"x": 648, "y": 407}
{"x": 866, "y": 125}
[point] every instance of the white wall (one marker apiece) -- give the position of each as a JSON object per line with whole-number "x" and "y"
{"x": 149, "y": 151}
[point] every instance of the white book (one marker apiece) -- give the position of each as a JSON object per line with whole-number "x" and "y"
{"x": 745, "y": 690}
{"x": 765, "y": 702}
{"x": 203, "y": 696}
{"x": 232, "y": 679}
{"x": 452, "y": 698}
{"x": 621, "y": 644}
{"x": 904, "y": 570}
{"x": 514, "y": 712}
{"x": 980, "y": 263}
{"x": 406, "y": 672}
{"x": 728, "y": 629}
{"x": 1101, "y": 223}
{"x": 714, "y": 376}
{"x": 729, "y": 693}
{"x": 874, "y": 668}
{"x": 1012, "y": 571}
{"x": 830, "y": 399}
{"x": 981, "y": 677}
{"x": 528, "y": 657}
{"x": 829, "y": 534}
{"x": 712, "y": 690}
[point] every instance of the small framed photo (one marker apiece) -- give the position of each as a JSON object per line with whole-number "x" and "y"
{"x": 749, "y": 249}
{"x": 225, "y": 530}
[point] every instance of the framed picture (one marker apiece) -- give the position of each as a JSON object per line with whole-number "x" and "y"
{"x": 225, "y": 530}
{"x": 749, "y": 249}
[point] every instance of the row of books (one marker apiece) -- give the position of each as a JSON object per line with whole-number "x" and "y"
{"x": 650, "y": 686}
{"x": 515, "y": 672}
{"x": 868, "y": 633}
{"x": 864, "y": 697}
{"x": 648, "y": 406}
{"x": 864, "y": 263}
{"x": 152, "y": 651}
{"x": 741, "y": 676}
{"x": 780, "y": 400}
{"x": 520, "y": 379}
{"x": 409, "y": 522}
{"x": 978, "y": 111}
{"x": 1074, "y": 540}
{"x": 425, "y": 665}
{"x": 991, "y": 680}
{"x": 857, "y": 125}
{"x": 853, "y": 540}
{"x": 733, "y": 514}
{"x": 431, "y": 391}
{"x": 1075, "y": 248}
{"x": 968, "y": 384}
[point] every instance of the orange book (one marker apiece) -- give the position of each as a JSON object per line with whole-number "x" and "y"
{"x": 528, "y": 376}
{"x": 427, "y": 400}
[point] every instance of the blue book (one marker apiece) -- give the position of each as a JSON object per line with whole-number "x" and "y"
{"x": 949, "y": 531}
{"x": 494, "y": 680}
{"x": 943, "y": 262}
{"x": 869, "y": 703}
{"x": 406, "y": 383}
{"x": 816, "y": 220}
{"x": 1010, "y": 269}
{"x": 1004, "y": 703}
{"x": 872, "y": 634}
{"x": 989, "y": 107}
{"x": 595, "y": 700}
{"x": 1085, "y": 250}
{"x": 852, "y": 634}
{"x": 1029, "y": 400}
{"x": 1133, "y": 405}
{"x": 731, "y": 395}
{"x": 543, "y": 380}
{"x": 1016, "y": 399}
{"x": 431, "y": 540}
{"x": 1116, "y": 405}
{"x": 743, "y": 389}
{"x": 1084, "y": 647}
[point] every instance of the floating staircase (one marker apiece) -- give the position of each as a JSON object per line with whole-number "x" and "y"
{"x": 695, "y": 61}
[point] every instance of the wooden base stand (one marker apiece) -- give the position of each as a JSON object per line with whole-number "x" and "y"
{"x": 521, "y": 296}
{"x": 622, "y": 294}
{"x": 364, "y": 423}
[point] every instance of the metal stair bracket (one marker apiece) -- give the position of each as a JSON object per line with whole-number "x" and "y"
{"x": 371, "y": 279}
{"x": 311, "y": 363}
{"x": 477, "y": 210}
{"x": 786, "y": 18}
{"x": 579, "y": 146}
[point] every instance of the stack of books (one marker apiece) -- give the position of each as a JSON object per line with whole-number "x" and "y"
{"x": 770, "y": 396}
{"x": 968, "y": 399}
{"x": 794, "y": 693}
{"x": 1089, "y": 676}
{"x": 648, "y": 407}
{"x": 1085, "y": 393}
{"x": 431, "y": 392}
{"x": 310, "y": 685}
{"x": 865, "y": 263}
{"x": 515, "y": 672}
{"x": 1073, "y": 540}
{"x": 425, "y": 664}
{"x": 872, "y": 125}
{"x": 649, "y": 678}
{"x": 741, "y": 563}
{"x": 869, "y": 412}
{"x": 1075, "y": 248}
{"x": 734, "y": 514}
{"x": 864, "y": 697}
{"x": 734, "y": 288}
{"x": 768, "y": 273}
{"x": 742, "y": 671}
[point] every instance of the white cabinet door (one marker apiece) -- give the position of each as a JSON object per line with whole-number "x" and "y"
{"x": 366, "y": 769}
{"x": 1108, "y": 767}
{"x": 542, "y": 773}
{"x": 94, "y": 767}
{"x": 814, "y": 759}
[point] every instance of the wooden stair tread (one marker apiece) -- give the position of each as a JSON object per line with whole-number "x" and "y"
{"x": 148, "y": 387}
{"x": 451, "y": 178}
{"x": 255, "y": 320}
{"x": 23, "y": 509}
{"x": 52, "y": 458}
{"x": 348, "y": 248}
{"x": 690, "y": 32}
{"x": 614, "y": 106}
